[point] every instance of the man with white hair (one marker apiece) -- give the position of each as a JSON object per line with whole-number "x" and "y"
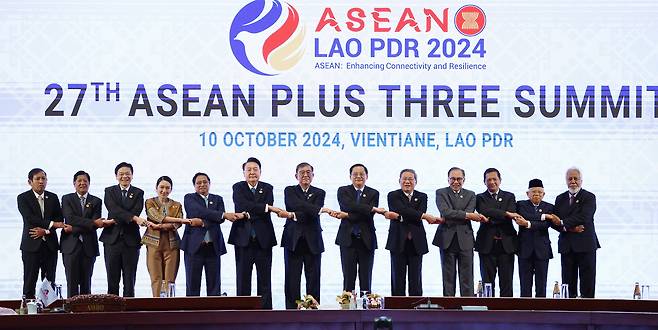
{"x": 576, "y": 208}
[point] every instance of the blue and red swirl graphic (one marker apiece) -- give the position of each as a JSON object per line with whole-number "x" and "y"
{"x": 266, "y": 37}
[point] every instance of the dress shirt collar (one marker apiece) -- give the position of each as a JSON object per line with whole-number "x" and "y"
{"x": 83, "y": 196}
{"x": 37, "y": 195}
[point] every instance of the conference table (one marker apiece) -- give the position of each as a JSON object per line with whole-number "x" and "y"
{"x": 201, "y": 313}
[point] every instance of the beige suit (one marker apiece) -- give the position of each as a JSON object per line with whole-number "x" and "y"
{"x": 162, "y": 246}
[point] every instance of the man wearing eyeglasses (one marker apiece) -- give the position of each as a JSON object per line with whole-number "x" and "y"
{"x": 578, "y": 242}
{"x": 455, "y": 235}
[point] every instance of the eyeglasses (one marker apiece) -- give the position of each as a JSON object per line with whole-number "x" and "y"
{"x": 456, "y": 179}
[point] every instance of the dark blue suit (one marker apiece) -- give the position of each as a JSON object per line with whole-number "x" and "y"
{"x": 253, "y": 250}
{"x": 496, "y": 240}
{"x": 578, "y": 250}
{"x": 79, "y": 255}
{"x": 199, "y": 252}
{"x": 407, "y": 242}
{"x": 357, "y": 250}
{"x": 122, "y": 241}
{"x": 534, "y": 247}
{"x": 302, "y": 241}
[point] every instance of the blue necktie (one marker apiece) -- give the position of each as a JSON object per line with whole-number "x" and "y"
{"x": 356, "y": 230}
{"x": 206, "y": 237}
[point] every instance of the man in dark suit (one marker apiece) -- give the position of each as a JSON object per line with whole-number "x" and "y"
{"x": 302, "y": 235}
{"x": 122, "y": 241}
{"x": 82, "y": 213}
{"x": 578, "y": 241}
{"x": 356, "y": 233}
{"x": 254, "y": 237}
{"x": 203, "y": 241}
{"x": 534, "y": 243}
{"x": 407, "y": 240}
{"x": 496, "y": 240}
{"x": 455, "y": 235}
{"x": 41, "y": 215}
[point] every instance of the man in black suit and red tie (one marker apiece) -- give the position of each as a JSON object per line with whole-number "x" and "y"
{"x": 356, "y": 233}
{"x": 534, "y": 242}
{"x": 79, "y": 242}
{"x": 41, "y": 215}
{"x": 578, "y": 241}
{"x": 302, "y": 235}
{"x": 407, "y": 240}
{"x": 203, "y": 241}
{"x": 121, "y": 241}
{"x": 253, "y": 236}
{"x": 496, "y": 240}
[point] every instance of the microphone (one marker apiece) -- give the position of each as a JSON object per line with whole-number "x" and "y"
{"x": 426, "y": 305}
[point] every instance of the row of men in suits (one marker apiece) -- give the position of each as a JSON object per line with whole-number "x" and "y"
{"x": 253, "y": 235}
{"x": 497, "y": 241}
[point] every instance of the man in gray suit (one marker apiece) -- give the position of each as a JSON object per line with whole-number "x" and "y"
{"x": 455, "y": 235}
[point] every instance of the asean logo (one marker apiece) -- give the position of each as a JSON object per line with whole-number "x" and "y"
{"x": 470, "y": 20}
{"x": 266, "y": 37}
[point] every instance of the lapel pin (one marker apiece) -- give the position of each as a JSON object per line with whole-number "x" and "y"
{"x": 415, "y": 199}
{"x": 260, "y": 191}
{"x": 577, "y": 201}
{"x": 364, "y": 195}
{"x": 309, "y": 195}
{"x": 500, "y": 199}
{"x": 461, "y": 196}
{"x": 88, "y": 205}
{"x": 540, "y": 211}
{"x": 45, "y": 196}
{"x": 130, "y": 196}
{"x": 210, "y": 202}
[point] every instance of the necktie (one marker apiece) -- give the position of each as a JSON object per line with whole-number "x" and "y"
{"x": 206, "y": 237}
{"x": 494, "y": 196}
{"x": 572, "y": 198}
{"x": 356, "y": 230}
{"x": 124, "y": 193}
{"x": 536, "y": 208}
{"x": 252, "y": 232}
{"x": 41, "y": 205}
{"x": 82, "y": 204}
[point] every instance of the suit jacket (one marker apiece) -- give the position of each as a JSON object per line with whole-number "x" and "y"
{"x": 307, "y": 213}
{"x": 360, "y": 214}
{"x": 581, "y": 212}
{"x": 212, "y": 216}
{"x": 82, "y": 222}
{"x": 453, "y": 208}
{"x": 155, "y": 214}
{"x": 410, "y": 221}
{"x": 498, "y": 224}
{"x": 28, "y": 206}
{"x": 259, "y": 218}
{"x": 122, "y": 212}
{"x": 535, "y": 239}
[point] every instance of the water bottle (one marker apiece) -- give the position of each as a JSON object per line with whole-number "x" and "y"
{"x": 478, "y": 292}
{"x": 556, "y": 290}
{"x": 163, "y": 289}
{"x": 637, "y": 294}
